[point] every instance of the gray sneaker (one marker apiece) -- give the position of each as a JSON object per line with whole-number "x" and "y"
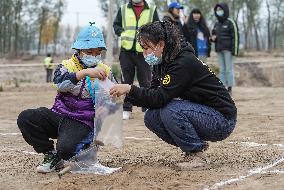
{"x": 193, "y": 161}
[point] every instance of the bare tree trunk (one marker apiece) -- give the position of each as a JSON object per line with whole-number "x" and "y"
{"x": 268, "y": 26}
{"x": 18, "y": 8}
{"x": 109, "y": 53}
{"x": 246, "y": 30}
{"x": 256, "y": 36}
{"x": 275, "y": 33}
{"x": 42, "y": 22}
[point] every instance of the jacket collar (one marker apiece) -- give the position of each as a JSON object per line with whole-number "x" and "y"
{"x": 167, "y": 14}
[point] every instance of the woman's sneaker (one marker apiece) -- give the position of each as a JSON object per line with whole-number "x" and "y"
{"x": 194, "y": 160}
{"x": 51, "y": 161}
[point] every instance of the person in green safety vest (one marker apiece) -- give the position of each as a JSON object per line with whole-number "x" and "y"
{"x": 49, "y": 67}
{"x": 129, "y": 18}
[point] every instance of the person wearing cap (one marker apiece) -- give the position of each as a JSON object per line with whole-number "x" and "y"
{"x": 129, "y": 18}
{"x": 225, "y": 35}
{"x": 173, "y": 15}
{"x": 198, "y": 34}
{"x": 70, "y": 120}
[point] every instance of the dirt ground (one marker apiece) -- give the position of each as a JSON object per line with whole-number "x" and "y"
{"x": 251, "y": 158}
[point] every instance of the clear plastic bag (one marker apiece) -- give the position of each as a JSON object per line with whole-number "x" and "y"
{"x": 108, "y": 119}
{"x": 107, "y": 130}
{"x": 86, "y": 162}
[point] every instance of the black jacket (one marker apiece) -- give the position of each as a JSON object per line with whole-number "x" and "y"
{"x": 226, "y": 31}
{"x": 186, "y": 78}
{"x": 117, "y": 24}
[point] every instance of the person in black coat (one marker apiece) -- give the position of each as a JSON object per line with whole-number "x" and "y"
{"x": 225, "y": 34}
{"x": 172, "y": 15}
{"x": 198, "y": 35}
{"x": 187, "y": 104}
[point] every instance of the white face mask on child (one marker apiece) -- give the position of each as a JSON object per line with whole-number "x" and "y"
{"x": 90, "y": 60}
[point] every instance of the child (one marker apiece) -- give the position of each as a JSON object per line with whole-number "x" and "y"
{"x": 70, "y": 120}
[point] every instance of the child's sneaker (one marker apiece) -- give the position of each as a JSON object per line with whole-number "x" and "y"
{"x": 51, "y": 161}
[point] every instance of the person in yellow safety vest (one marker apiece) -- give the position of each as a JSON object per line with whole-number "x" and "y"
{"x": 129, "y": 18}
{"x": 49, "y": 66}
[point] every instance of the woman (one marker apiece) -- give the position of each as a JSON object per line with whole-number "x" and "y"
{"x": 198, "y": 34}
{"x": 173, "y": 15}
{"x": 225, "y": 35}
{"x": 70, "y": 120}
{"x": 187, "y": 103}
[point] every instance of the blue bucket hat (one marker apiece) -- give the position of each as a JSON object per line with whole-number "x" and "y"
{"x": 175, "y": 5}
{"x": 89, "y": 37}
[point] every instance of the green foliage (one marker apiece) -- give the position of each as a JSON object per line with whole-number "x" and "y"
{"x": 1, "y": 88}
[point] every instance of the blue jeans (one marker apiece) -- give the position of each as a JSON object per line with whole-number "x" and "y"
{"x": 225, "y": 59}
{"x": 187, "y": 125}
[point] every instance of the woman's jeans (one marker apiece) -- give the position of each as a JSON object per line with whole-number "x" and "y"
{"x": 187, "y": 125}
{"x": 225, "y": 59}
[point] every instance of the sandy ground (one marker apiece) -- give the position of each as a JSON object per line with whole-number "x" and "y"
{"x": 251, "y": 158}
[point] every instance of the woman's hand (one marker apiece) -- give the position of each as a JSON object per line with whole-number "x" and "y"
{"x": 120, "y": 89}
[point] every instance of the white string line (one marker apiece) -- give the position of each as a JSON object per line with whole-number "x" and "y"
{"x": 259, "y": 170}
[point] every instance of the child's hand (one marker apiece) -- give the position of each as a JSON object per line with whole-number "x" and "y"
{"x": 96, "y": 72}
{"x": 120, "y": 89}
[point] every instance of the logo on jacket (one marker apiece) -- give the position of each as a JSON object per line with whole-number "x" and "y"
{"x": 167, "y": 80}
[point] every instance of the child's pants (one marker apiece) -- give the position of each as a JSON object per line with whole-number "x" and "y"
{"x": 38, "y": 126}
{"x": 187, "y": 125}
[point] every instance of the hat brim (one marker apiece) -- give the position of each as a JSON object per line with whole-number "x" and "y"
{"x": 89, "y": 45}
{"x": 176, "y": 7}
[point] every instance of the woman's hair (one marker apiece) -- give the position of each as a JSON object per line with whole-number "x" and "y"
{"x": 202, "y": 23}
{"x": 161, "y": 31}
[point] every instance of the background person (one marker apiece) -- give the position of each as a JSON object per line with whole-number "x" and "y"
{"x": 197, "y": 34}
{"x": 129, "y": 18}
{"x": 49, "y": 67}
{"x": 225, "y": 34}
{"x": 173, "y": 15}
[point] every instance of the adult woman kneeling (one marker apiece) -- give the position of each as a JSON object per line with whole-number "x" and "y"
{"x": 187, "y": 104}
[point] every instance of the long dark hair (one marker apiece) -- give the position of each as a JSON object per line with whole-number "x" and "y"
{"x": 165, "y": 31}
{"x": 192, "y": 25}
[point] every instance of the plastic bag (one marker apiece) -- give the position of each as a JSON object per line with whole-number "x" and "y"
{"x": 87, "y": 162}
{"x": 107, "y": 130}
{"x": 108, "y": 119}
